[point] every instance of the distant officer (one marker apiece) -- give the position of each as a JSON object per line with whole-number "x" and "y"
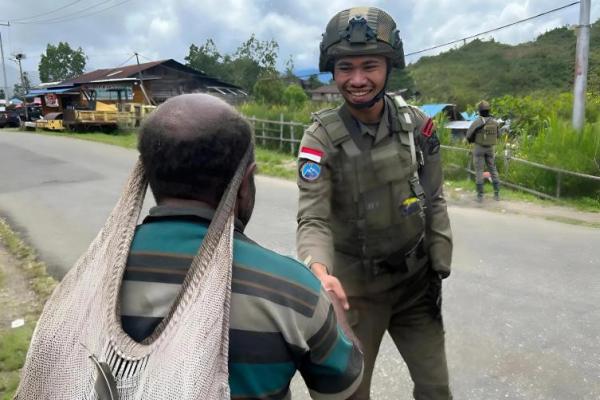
{"x": 484, "y": 132}
{"x": 372, "y": 219}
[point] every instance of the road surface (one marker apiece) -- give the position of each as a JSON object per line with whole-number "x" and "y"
{"x": 521, "y": 307}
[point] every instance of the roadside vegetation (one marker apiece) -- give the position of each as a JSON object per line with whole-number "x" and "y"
{"x": 24, "y": 288}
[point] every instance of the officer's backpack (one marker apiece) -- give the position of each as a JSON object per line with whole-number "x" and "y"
{"x": 487, "y": 135}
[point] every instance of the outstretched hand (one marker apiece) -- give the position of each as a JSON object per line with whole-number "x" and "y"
{"x": 331, "y": 284}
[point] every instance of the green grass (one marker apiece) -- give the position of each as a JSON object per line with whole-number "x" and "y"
{"x": 15, "y": 342}
{"x": 13, "y": 349}
{"x": 277, "y": 164}
{"x": 122, "y": 139}
{"x": 41, "y": 283}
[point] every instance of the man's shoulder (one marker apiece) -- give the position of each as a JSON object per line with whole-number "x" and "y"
{"x": 251, "y": 256}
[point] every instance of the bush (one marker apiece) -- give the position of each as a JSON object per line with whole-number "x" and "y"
{"x": 294, "y": 96}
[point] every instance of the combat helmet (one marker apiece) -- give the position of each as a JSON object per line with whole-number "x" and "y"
{"x": 361, "y": 31}
{"x": 483, "y": 106}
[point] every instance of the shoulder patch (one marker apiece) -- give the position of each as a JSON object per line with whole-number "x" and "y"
{"x": 310, "y": 171}
{"x": 310, "y": 153}
{"x": 428, "y": 128}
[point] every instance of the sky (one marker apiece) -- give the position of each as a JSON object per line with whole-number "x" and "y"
{"x": 110, "y": 31}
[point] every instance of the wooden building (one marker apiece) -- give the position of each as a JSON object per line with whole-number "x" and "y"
{"x": 329, "y": 93}
{"x": 148, "y": 83}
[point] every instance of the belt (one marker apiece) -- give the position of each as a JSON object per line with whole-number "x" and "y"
{"x": 404, "y": 262}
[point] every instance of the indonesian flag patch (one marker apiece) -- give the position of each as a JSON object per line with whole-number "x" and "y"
{"x": 428, "y": 128}
{"x": 310, "y": 154}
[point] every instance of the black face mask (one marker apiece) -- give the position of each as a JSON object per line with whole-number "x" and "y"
{"x": 378, "y": 96}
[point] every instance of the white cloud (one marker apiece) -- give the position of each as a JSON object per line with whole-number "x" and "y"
{"x": 166, "y": 28}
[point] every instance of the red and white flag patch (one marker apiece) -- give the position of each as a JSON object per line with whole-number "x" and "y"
{"x": 428, "y": 128}
{"x": 310, "y": 154}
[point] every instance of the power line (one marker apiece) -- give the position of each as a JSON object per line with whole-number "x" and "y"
{"x": 492, "y": 30}
{"x": 46, "y": 13}
{"x": 67, "y": 17}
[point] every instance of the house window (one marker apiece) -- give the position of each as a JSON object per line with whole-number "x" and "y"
{"x": 112, "y": 94}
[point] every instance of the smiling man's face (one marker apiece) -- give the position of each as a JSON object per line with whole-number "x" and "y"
{"x": 360, "y": 78}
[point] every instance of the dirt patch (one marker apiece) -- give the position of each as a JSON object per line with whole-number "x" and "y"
{"x": 17, "y": 299}
{"x": 24, "y": 287}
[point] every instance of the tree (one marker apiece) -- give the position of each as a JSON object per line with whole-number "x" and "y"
{"x": 269, "y": 88}
{"x": 206, "y": 59}
{"x": 313, "y": 82}
{"x": 61, "y": 62}
{"x": 21, "y": 90}
{"x": 251, "y": 60}
{"x": 294, "y": 96}
{"x": 2, "y": 94}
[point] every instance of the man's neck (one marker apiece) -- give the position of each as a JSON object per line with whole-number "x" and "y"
{"x": 371, "y": 115}
{"x": 185, "y": 203}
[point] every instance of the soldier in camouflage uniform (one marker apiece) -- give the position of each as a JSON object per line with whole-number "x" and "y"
{"x": 372, "y": 219}
{"x": 484, "y": 133}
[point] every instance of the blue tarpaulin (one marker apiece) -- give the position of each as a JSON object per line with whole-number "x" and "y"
{"x": 469, "y": 117}
{"x": 41, "y": 92}
{"x": 433, "y": 109}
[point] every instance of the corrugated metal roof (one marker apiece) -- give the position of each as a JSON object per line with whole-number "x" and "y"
{"x": 463, "y": 125}
{"x": 40, "y": 92}
{"x": 132, "y": 71}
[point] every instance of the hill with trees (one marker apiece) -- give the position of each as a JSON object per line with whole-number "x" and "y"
{"x": 488, "y": 69}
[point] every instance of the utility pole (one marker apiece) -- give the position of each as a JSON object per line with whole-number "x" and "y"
{"x": 19, "y": 57}
{"x": 142, "y": 81}
{"x": 581, "y": 65}
{"x": 4, "y": 65}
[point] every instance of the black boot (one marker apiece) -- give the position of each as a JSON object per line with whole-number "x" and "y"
{"x": 479, "y": 192}
{"x": 496, "y": 191}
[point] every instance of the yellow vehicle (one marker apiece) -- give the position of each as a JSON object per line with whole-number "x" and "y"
{"x": 103, "y": 117}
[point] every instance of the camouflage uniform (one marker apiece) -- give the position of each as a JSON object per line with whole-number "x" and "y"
{"x": 372, "y": 210}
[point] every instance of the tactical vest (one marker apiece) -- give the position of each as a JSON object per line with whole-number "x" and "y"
{"x": 487, "y": 135}
{"x": 377, "y": 201}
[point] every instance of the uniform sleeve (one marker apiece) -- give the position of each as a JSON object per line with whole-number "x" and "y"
{"x": 314, "y": 240}
{"x": 333, "y": 366}
{"x": 438, "y": 235}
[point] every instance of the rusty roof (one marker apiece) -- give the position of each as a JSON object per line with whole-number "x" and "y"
{"x": 132, "y": 71}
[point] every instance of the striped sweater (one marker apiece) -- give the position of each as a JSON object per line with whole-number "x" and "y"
{"x": 281, "y": 319}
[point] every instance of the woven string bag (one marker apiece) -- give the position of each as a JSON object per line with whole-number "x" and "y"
{"x": 79, "y": 349}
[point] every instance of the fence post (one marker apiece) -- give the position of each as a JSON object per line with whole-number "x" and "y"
{"x": 263, "y": 133}
{"x": 292, "y": 139}
{"x": 506, "y": 161}
{"x": 280, "y": 131}
{"x": 558, "y": 181}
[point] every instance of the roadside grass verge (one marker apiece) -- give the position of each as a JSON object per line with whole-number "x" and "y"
{"x": 14, "y": 342}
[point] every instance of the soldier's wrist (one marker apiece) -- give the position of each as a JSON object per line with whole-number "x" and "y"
{"x": 319, "y": 269}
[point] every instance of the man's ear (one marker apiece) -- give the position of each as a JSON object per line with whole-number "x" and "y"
{"x": 245, "y": 185}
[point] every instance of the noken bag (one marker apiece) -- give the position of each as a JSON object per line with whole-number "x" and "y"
{"x": 79, "y": 349}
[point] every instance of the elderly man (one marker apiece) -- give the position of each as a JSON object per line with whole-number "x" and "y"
{"x": 133, "y": 306}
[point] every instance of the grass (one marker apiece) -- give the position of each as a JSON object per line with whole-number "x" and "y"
{"x": 41, "y": 283}
{"x": 15, "y": 342}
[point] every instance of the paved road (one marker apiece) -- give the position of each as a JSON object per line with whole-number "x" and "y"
{"x": 521, "y": 307}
